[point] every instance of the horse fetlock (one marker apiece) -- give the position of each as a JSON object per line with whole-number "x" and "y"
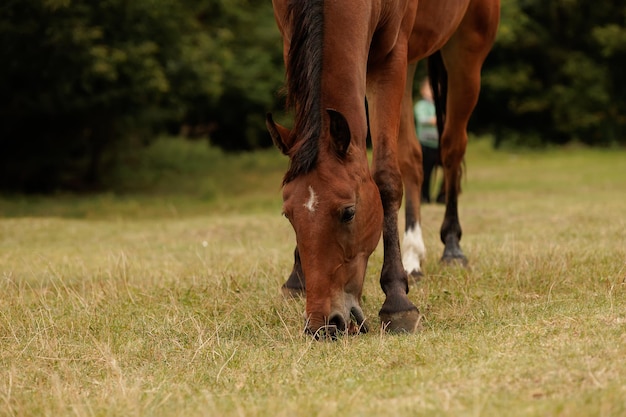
{"x": 450, "y": 230}
{"x": 396, "y": 300}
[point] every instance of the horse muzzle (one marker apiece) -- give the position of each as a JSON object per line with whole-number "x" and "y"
{"x": 338, "y": 323}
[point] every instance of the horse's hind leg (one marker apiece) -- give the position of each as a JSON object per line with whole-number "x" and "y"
{"x": 463, "y": 57}
{"x": 294, "y": 286}
{"x": 410, "y": 159}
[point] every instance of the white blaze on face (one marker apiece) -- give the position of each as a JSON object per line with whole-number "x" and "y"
{"x": 311, "y": 203}
{"x": 413, "y": 249}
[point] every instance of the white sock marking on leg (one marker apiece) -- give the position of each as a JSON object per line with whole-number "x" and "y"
{"x": 413, "y": 249}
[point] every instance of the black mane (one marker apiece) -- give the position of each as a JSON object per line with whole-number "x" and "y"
{"x": 304, "y": 83}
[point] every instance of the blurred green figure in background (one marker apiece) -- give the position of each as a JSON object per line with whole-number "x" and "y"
{"x": 426, "y": 124}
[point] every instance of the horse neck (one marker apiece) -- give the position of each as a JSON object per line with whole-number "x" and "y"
{"x": 326, "y": 67}
{"x": 344, "y": 57}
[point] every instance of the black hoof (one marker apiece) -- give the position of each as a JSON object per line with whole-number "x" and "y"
{"x": 415, "y": 277}
{"x": 453, "y": 255}
{"x": 398, "y": 314}
{"x": 455, "y": 260}
{"x": 402, "y": 322}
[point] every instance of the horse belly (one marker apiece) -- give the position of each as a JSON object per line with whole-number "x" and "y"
{"x": 435, "y": 23}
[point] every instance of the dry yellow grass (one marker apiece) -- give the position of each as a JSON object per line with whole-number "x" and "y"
{"x": 177, "y": 313}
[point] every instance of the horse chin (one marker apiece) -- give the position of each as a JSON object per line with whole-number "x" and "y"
{"x": 324, "y": 332}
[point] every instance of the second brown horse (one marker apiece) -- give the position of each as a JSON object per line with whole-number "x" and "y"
{"x": 337, "y": 53}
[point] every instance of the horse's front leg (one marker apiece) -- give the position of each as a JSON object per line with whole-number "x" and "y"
{"x": 463, "y": 87}
{"x": 385, "y": 89}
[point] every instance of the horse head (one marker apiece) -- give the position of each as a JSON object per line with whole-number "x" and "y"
{"x": 335, "y": 210}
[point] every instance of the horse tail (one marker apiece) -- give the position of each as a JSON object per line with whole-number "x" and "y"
{"x": 438, "y": 77}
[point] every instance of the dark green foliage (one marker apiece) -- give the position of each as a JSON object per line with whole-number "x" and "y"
{"x": 252, "y": 72}
{"x": 556, "y": 73}
{"x": 83, "y": 81}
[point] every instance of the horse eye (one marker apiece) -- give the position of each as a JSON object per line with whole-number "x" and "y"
{"x": 347, "y": 214}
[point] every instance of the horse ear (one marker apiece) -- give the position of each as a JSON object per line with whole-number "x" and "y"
{"x": 279, "y": 134}
{"x": 340, "y": 132}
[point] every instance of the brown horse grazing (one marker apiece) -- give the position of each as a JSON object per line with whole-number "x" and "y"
{"x": 336, "y": 54}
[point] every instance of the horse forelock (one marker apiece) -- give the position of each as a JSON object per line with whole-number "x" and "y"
{"x": 304, "y": 83}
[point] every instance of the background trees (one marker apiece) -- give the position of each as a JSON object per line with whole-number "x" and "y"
{"x": 556, "y": 74}
{"x": 84, "y": 82}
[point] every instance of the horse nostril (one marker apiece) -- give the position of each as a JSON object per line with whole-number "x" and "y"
{"x": 330, "y": 330}
{"x": 338, "y": 322}
{"x": 359, "y": 319}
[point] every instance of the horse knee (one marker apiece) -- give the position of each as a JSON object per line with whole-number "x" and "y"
{"x": 390, "y": 187}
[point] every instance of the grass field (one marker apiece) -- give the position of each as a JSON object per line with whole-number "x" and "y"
{"x": 166, "y": 302}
